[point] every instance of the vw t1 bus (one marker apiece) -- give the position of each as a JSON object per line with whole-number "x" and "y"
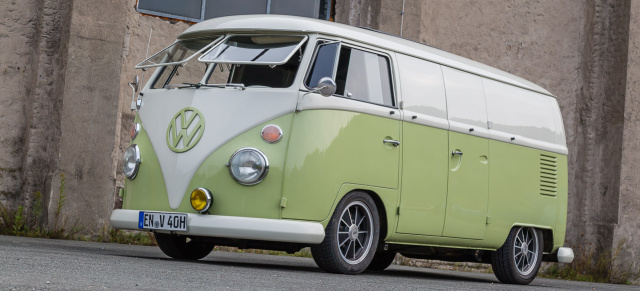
{"x": 280, "y": 132}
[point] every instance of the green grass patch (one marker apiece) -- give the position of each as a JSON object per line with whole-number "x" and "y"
{"x": 589, "y": 267}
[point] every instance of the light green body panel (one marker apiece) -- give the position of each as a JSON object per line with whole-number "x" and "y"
{"x": 147, "y": 191}
{"x": 514, "y": 197}
{"x": 515, "y": 192}
{"x": 230, "y": 197}
{"x": 330, "y": 148}
{"x": 468, "y": 188}
{"x": 424, "y": 179}
{"x": 325, "y": 154}
{"x": 562, "y": 200}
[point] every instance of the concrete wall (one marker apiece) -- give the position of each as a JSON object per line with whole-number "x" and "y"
{"x": 627, "y": 229}
{"x": 34, "y": 38}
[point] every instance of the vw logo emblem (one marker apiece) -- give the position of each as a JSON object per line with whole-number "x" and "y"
{"x": 185, "y": 130}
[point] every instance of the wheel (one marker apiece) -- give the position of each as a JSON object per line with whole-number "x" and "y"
{"x": 182, "y": 247}
{"x": 381, "y": 261}
{"x": 351, "y": 237}
{"x": 518, "y": 260}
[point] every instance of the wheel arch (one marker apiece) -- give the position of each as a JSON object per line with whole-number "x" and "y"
{"x": 382, "y": 213}
{"x": 385, "y": 200}
{"x": 547, "y": 235}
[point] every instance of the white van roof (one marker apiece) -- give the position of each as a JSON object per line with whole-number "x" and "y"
{"x": 280, "y": 23}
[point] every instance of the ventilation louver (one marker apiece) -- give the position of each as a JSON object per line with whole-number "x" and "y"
{"x": 548, "y": 175}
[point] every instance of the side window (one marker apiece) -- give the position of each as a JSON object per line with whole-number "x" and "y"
{"x": 422, "y": 86}
{"x": 364, "y": 76}
{"x": 360, "y": 75}
{"x": 323, "y": 64}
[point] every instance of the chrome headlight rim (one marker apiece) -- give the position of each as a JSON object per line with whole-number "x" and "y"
{"x": 136, "y": 167}
{"x": 209, "y": 197}
{"x": 261, "y": 177}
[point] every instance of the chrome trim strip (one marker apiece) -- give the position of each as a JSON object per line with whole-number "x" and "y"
{"x": 234, "y": 227}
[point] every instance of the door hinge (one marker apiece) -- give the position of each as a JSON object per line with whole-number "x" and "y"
{"x": 283, "y": 202}
{"x": 398, "y": 210}
{"x": 488, "y": 219}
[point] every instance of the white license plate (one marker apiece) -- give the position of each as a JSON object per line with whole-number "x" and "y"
{"x": 164, "y": 221}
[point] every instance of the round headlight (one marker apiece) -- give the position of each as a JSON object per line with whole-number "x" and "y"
{"x": 248, "y": 166}
{"x": 131, "y": 161}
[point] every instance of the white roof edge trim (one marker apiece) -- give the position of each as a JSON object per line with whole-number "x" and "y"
{"x": 293, "y": 24}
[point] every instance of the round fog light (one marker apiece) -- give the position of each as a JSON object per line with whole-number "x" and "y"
{"x": 201, "y": 200}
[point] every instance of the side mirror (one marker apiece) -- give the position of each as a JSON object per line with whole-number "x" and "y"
{"x": 326, "y": 87}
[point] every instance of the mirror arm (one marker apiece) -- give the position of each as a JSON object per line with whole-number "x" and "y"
{"x": 135, "y": 85}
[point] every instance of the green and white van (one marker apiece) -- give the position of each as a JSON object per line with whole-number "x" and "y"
{"x": 278, "y": 132}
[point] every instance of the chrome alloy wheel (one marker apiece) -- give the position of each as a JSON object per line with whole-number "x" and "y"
{"x": 355, "y": 232}
{"x": 526, "y": 250}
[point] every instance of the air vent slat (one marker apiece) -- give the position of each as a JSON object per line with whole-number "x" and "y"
{"x": 548, "y": 175}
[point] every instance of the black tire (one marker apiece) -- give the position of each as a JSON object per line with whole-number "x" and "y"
{"x": 182, "y": 247}
{"x": 381, "y": 261}
{"x": 509, "y": 264}
{"x": 359, "y": 234}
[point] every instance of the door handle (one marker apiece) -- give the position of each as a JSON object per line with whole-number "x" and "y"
{"x": 456, "y": 152}
{"x": 394, "y": 143}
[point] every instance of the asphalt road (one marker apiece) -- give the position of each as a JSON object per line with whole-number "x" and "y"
{"x": 42, "y": 264}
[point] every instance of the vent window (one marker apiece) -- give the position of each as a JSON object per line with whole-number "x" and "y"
{"x": 548, "y": 175}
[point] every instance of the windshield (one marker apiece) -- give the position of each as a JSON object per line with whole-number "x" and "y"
{"x": 272, "y": 50}
{"x": 179, "y": 52}
{"x": 240, "y": 61}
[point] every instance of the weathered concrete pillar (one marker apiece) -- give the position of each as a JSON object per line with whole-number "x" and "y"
{"x": 18, "y": 26}
{"x": 626, "y": 234}
{"x": 89, "y": 114}
{"x": 365, "y": 13}
{"x": 593, "y": 206}
{"x": 42, "y": 134}
{"x": 33, "y": 66}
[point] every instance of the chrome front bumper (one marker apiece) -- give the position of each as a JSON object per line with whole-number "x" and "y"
{"x": 234, "y": 227}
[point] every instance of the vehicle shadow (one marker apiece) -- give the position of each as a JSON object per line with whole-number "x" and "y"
{"x": 432, "y": 274}
{"x": 307, "y": 265}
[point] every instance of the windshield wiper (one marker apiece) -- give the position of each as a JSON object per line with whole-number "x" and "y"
{"x": 183, "y": 85}
{"x": 198, "y": 85}
{"x": 233, "y": 85}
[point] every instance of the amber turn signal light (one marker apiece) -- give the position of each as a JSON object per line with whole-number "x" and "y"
{"x": 271, "y": 133}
